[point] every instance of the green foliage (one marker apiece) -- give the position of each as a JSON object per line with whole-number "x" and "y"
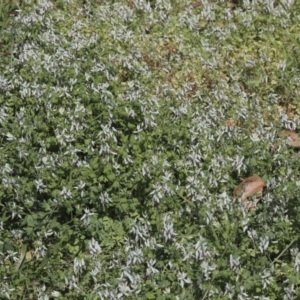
{"x": 116, "y": 163}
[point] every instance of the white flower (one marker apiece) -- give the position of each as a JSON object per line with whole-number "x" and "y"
{"x": 40, "y": 185}
{"x": 183, "y": 278}
{"x": 234, "y": 263}
{"x": 263, "y": 244}
{"x": 94, "y": 247}
{"x": 10, "y": 137}
{"x": 78, "y": 265}
{"x": 254, "y": 137}
{"x": 168, "y": 230}
{"x": 86, "y": 217}
{"x": 55, "y": 294}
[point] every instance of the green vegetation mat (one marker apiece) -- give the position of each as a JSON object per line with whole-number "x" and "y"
{"x": 125, "y": 126}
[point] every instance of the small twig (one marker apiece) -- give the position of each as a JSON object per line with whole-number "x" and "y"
{"x": 205, "y": 294}
{"x": 284, "y": 250}
{"x": 184, "y": 199}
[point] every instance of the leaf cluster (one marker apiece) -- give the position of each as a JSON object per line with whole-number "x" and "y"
{"x": 125, "y": 126}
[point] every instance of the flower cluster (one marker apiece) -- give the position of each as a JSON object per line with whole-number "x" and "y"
{"x": 125, "y": 127}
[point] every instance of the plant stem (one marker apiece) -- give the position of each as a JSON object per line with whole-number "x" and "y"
{"x": 284, "y": 250}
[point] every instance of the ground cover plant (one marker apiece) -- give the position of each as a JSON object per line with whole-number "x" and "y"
{"x": 125, "y": 128}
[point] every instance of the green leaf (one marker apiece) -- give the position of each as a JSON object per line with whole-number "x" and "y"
{"x": 8, "y": 247}
{"x": 22, "y": 256}
{"x": 150, "y": 295}
{"x": 111, "y": 176}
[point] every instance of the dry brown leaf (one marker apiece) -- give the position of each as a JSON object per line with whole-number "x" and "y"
{"x": 230, "y": 123}
{"x": 293, "y": 138}
{"x": 252, "y": 185}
